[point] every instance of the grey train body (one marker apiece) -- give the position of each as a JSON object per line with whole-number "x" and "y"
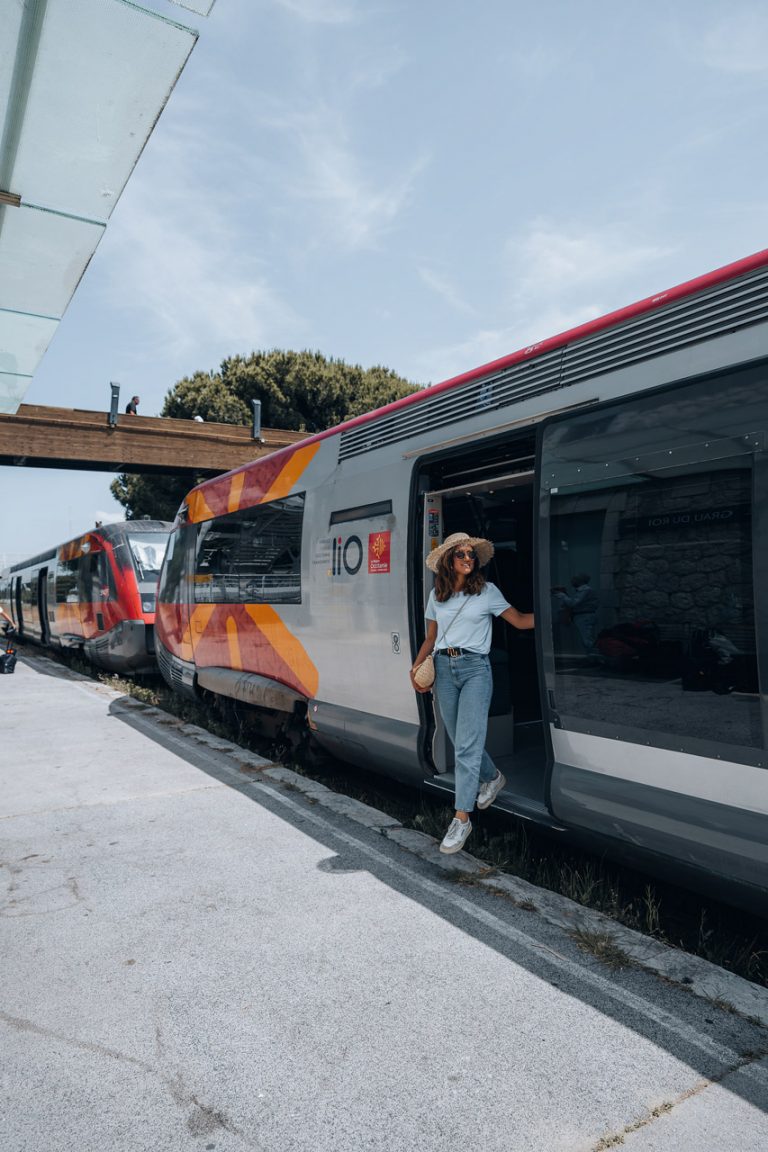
{"x": 635, "y": 454}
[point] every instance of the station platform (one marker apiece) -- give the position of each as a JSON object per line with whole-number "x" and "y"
{"x": 198, "y": 953}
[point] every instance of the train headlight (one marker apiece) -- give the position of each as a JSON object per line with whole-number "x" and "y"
{"x": 147, "y": 606}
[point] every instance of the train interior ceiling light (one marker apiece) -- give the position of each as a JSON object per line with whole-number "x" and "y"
{"x": 82, "y": 83}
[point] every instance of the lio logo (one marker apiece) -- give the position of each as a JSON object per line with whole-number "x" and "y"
{"x": 347, "y": 554}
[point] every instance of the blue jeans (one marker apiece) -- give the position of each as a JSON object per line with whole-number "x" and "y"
{"x": 463, "y": 686}
{"x": 584, "y": 623}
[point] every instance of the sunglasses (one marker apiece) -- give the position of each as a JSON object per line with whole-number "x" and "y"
{"x": 470, "y": 554}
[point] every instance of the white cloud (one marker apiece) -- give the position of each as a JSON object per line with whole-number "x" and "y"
{"x": 100, "y": 516}
{"x": 322, "y": 11}
{"x": 447, "y": 291}
{"x": 376, "y": 71}
{"x": 549, "y": 261}
{"x": 188, "y": 273}
{"x": 558, "y": 278}
{"x": 487, "y": 344}
{"x": 356, "y": 210}
{"x": 537, "y": 62}
{"x": 738, "y": 42}
{"x": 181, "y": 259}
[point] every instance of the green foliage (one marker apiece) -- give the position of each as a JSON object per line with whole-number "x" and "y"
{"x": 299, "y": 391}
{"x": 205, "y": 395}
{"x": 157, "y": 497}
{"x": 304, "y": 391}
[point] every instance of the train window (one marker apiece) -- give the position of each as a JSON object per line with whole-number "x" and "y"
{"x": 66, "y": 581}
{"x": 107, "y": 589}
{"x": 361, "y": 512}
{"x": 88, "y": 574}
{"x": 148, "y": 549}
{"x": 169, "y": 591}
{"x": 650, "y": 575}
{"x": 251, "y": 557}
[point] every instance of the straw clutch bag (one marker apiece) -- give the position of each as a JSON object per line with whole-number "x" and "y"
{"x": 424, "y": 674}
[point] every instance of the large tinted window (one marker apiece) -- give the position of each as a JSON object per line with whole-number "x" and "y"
{"x": 95, "y": 579}
{"x": 171, "y": 579}
{"x": 651, "y": 561}
{"x": 147, "y": 550}
{"x": 66, "y": 581}
{"x": 252, "y": 556}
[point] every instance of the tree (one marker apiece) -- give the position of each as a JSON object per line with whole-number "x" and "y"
{"x": 157, "y": 497}
{"x": 300, "y": 391}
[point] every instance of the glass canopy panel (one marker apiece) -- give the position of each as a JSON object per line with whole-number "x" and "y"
{"x": 23, "y": 340}
{"x": 202, "y": 7}
{"x": 42, "y": 257}
{"x": 12, "y": 389}
{"x": 99, "y": 76}
{"x": 10, "y": 22}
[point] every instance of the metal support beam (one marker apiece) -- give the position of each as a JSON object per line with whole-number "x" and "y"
{"x": 114, "y": 405}
{"x": 256, "y": 405}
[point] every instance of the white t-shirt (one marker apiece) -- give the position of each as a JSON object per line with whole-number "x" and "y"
{"x": 472, "y": 629}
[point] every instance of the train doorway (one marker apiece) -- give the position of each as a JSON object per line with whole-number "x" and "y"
{"x": 491, "y": 494}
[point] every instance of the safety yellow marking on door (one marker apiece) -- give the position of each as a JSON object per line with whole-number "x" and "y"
{"x": 233, "y": 642}
{"x": 289, "y": 475}
{"x": 288, "y": 648}
{"x": 235, "y": 491}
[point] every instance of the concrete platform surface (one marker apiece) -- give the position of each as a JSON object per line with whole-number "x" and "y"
{"x": 196, "y": 955}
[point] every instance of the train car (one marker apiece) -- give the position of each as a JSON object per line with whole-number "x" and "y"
{"x": 97, "y": 593}
{"x": 627, "y": 457}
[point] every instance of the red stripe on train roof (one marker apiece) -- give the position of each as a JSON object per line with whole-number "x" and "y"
{"x": 611, "y": 319}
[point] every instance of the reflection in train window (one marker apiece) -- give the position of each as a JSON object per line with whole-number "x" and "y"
{"x": 147, "y": 550}
{"x": 66, "y": 581}
{"x": 96, "y": 581}
{"x": 652, "y": 600}
{"x": 251, "y": 557}
{"x": 169, "y": 591}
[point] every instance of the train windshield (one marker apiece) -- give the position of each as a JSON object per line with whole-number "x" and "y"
{"x": 148, "y": 550}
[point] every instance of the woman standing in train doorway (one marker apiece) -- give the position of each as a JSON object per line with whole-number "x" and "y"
{"x": 459, "y": 612}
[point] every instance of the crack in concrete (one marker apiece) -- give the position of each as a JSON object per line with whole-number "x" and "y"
{"x": 12, "y": 908}
{"x": 614, "y": 1139}
{"x": 201, "y": 1121}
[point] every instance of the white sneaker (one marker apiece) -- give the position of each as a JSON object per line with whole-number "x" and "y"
{"x": 457, "y": 833}
{"x": 490, "y": 790}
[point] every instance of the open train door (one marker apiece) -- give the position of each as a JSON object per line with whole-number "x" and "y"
{"x": 16, "y": 601}
{"x": 45, "y": 602}
{"x": 489, "y": 492}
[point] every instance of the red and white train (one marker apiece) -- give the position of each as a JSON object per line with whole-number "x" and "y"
{"x": 97, "y": 593}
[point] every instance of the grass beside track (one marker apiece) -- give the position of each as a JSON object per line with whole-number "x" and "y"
{"x": 678, "y": 917}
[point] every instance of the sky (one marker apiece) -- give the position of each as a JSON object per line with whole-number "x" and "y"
{"x": 424, "y": 184}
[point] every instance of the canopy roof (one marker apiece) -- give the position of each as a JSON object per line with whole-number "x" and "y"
{"x": 82, "y": 83}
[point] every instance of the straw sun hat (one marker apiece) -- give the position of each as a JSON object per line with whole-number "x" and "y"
{"x": 484, "y": 549}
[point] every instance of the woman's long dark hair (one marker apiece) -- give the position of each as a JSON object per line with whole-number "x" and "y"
{"x": 444, "y": 589}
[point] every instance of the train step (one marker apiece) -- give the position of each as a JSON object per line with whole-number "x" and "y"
{"x": 507, "y": 801}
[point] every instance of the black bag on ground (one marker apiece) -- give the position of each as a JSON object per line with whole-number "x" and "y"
{"x": 7, "y": 663}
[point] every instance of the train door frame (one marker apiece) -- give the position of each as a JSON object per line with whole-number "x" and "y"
{"x": 511, "y": 470}
{"x": 16, "y": 602}
{"x": 42, "y": 603}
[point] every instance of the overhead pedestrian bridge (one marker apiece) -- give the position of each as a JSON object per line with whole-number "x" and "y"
{"x": 38, "y": 436}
